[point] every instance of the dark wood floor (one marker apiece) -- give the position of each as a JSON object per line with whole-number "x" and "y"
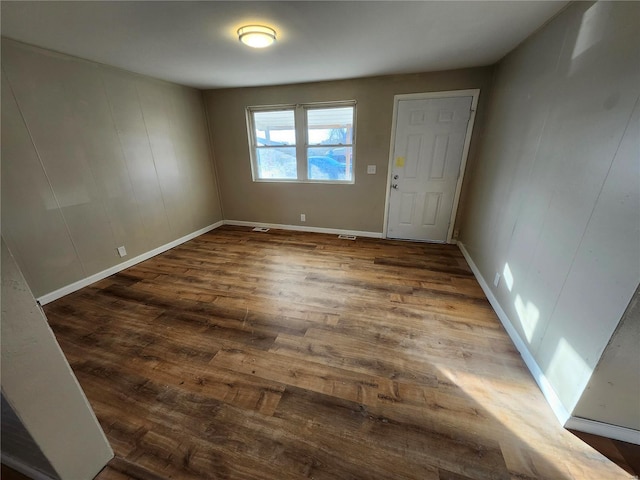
{"x": 282, "y": 355}
{"x": 625, "y": 455}
{"x": 7, "y": 473}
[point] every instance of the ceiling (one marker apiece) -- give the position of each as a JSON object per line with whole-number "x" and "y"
{"x": 195, "y": 43}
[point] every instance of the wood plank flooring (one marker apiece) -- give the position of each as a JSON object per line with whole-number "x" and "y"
{"x": 288, "y": 355}
{"x": 625, "y": 455}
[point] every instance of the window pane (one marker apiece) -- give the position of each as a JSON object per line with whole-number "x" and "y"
{"x": 330, "y": 164}
{"x": 274, "y": 128}
{"x": 331, "y": 126}
{"x": 278, "y": 163}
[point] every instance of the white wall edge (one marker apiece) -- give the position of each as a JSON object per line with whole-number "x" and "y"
{"x": 602, "y": 429}
{"x": 75, "y": 286}
{"x": 303, "y": 228}
{"x": 23, "y": 468}
{"x": 549, "y": 393}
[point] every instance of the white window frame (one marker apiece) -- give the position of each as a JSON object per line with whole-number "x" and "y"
{"x": 302, "y": 141}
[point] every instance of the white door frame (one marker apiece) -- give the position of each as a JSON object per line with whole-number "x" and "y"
{"x": 475, "y": 93}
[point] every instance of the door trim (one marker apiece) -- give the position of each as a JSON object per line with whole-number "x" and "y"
{"x": 474, "y": 93}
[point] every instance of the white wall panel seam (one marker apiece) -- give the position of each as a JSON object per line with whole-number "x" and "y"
{"x": 212, "y": 153}
{"x": 577, "y": 250}
{"x": 536, "y": 156}
{"x": 124, "y": 156}
{"x": 103, "y": 200}
{"x": 46, "y": 175}
{"x": 556, "y": 70}
{"x": 187, "y": 173}
{"x": 153, "y": 158}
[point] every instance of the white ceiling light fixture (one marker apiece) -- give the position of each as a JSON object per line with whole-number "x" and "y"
{"x": 256, "y": 36}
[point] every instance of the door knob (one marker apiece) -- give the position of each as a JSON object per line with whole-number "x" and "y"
{"x": 395, "y": 177}
{"x": 394, "y": 186}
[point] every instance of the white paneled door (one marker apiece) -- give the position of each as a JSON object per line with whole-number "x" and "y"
{"x": 429, "y": 145}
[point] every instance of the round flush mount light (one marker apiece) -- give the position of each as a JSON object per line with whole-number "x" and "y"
{"x": 256, "y": 36}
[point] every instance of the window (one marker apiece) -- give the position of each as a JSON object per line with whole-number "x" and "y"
{"x": 275, "y": 145}
{"x": 303, "y": 143}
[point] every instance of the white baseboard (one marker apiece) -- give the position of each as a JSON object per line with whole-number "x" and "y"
{"x": 543, "y": 382}
{"x": 623, "y": 434}
{"x": 61, "y": 292}
{"x": 564, "y": 417}
{"x": 303, "y": 228}
{"x": 23, "y": 468}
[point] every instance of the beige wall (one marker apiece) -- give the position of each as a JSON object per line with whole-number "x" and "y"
{"x": 39, "y": 386}
{"x": 357, "y": 207}
{"x": 553, "y": 197}
{"x": 94, "y": 158}
{"x": 613, "y": 393}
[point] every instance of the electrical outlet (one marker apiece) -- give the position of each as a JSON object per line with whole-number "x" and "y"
{"x": 303, "y": 217}
{"x": 496, "y": 280}
{"x": 456, "y": 232}
{"x": 371, "y": 169}
{"x": 122, "y": 251}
